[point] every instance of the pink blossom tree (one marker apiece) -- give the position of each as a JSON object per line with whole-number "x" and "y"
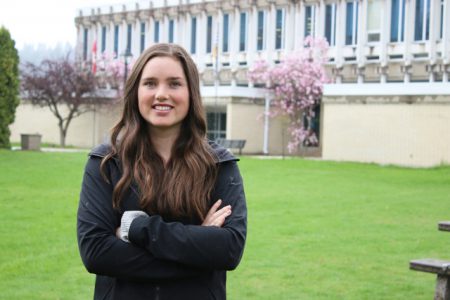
{"x": 111, "y": 70}
{"x": 296, "y": 84}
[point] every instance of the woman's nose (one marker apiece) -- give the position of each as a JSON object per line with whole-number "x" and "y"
{"x": 161, "y": 93}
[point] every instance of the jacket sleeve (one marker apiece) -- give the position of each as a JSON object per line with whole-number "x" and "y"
{"x": 101, "y": 251}
{"x": 205, "y": 247}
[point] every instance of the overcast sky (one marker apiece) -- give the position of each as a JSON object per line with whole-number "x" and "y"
{"x": 44, "y": 21}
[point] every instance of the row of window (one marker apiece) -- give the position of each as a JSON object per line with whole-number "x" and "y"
{"x": 374, "y": 23}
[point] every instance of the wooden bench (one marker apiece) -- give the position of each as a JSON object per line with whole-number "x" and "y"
{"x": 232, "y": 144}
{"x": 436, "y": 266}
{"x": 444, "y": 226}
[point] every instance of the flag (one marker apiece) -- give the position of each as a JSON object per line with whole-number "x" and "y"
{"x": 94, "y": 57}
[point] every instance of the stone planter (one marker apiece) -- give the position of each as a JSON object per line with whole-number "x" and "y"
{"x": 31, "y": 141}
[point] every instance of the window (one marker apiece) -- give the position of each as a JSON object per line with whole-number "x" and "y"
{"x": 422, "y": 21}
{"x": 171, "y": 30}
{"x": 209, "y": 22}
{"x": 397, "y": 20}
{"x": 242, "y": 31}
{"x": 142, "y": 36}
{"x": 311, "y": 123}
{"x": 374, "y": 8}
{"x": 129, "y": 38}
{"x": 103, "y": 45}
{"x": 116, "y": 40}
{"x": 330, "y": 24}
{"x": 279, "y": 29}
{"x": 442, "y": 20}
{"x": 217, "y": 125}
{"x": 193, "y": 35}
{"x": 226, "y": 29}
{"x": 260, "y": 31}
{"x": 351, "y": 23}
{"x": 310, "y": 20}
{"x": 85, "y": 43}
{"x": 156, "y": 33}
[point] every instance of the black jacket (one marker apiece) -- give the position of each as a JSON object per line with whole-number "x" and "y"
{"x": 165, "y": 260}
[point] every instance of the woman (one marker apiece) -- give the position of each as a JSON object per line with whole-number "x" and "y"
{"x": 191, "y": 221}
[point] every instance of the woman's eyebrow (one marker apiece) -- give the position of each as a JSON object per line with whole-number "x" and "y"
{"x": 148, "y": 78}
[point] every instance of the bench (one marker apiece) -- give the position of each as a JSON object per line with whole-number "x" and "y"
{"x": 232, "y": 144}
{"x": 444, "y": 226}
{"x": 436, "y": 266}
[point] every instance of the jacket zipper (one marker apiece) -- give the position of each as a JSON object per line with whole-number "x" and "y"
{"x": 157, "y": 292}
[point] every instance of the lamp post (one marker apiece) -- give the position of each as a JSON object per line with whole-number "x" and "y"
{"x": 126, "y": 55}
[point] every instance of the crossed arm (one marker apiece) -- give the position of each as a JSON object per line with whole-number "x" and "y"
{"x": 158, "y": 249}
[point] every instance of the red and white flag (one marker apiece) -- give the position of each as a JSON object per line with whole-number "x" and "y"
{"x": 94, "y": 57}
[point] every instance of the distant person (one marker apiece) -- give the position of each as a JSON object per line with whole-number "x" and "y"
{"x": 162, "y": 212}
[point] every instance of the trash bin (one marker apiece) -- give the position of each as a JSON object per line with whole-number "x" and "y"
{"x": 31, "y": 141}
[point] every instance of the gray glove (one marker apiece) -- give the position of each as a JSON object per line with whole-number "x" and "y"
{"x": 125, "y": 222}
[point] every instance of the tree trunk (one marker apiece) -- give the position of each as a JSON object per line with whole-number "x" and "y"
{"x": 62, "y": 132}
{"x": 62, "y": 137}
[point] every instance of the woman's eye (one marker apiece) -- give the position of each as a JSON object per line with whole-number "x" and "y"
{"x": 150, "y": 83}
{"x": 175, "y": 84}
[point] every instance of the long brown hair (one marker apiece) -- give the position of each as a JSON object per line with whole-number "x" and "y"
{"x": 182, "y": 187}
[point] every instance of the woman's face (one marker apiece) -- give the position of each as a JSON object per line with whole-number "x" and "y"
{"x": 163, "y": 94}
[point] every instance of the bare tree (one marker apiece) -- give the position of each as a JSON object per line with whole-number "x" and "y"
{"x": 66, "y": 88}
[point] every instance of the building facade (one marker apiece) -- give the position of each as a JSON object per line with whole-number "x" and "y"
{"x": 385, "y": 56}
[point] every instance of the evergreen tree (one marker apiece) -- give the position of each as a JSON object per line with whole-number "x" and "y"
{"x": 9, "y": 85}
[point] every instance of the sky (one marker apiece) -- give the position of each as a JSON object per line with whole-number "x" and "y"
{"x": 47, "y": 22}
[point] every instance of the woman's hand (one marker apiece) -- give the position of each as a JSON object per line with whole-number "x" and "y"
{"x": 217, "y": 217}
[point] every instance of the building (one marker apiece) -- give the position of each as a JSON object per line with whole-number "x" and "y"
{"x": 389, "y": 61}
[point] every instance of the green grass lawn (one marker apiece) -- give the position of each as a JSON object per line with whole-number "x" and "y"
{"x": 317, "y": 230}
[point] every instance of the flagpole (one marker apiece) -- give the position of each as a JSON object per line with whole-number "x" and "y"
{"x": 216, "y": 80}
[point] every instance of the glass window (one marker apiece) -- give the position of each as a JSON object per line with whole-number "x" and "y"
{"x": 209, "y": 22}
{"x": 422, "y": 20}
{"x": 156, "y": 33}
{"x": 193, "y": 35}
{"x": 441, "y": 29}
{"x": 351, "y": 23}
{"x": 129, "y": 38}
{"x": 217, "y": 125}
{"x": 116, "y": 40}
{"x": 330, "y": 23}
{"x": 242, "y": 31}
{"x": 171, "y": 30}
{"x": 374, "y": 9}
{"x": 397, "y": 20}
{"x": 279, "y": 29}
{"x": 226, "y": 28}
{"x": 310, "y": 19}
{"x": 103, "y": 46}
{"x": 85, "y": 43}
{"x": 142, "y": 36}
{"x": 260, "y": 31}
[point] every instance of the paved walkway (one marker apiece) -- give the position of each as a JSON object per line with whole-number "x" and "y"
{"x": 47, "y": 149}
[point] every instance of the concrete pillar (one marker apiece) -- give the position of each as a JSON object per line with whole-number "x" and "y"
{"x": 234, "y": 42}
{"x": 385, "y": 34}
{"x": 297, "y": 25}
{"x": 252, "y": 34}
{"x": 271, "y": 21}
{"x": 186, "y": 31}
{"x": 362, "y": 35}
{"x": 340, "y": 33}
{"x": 164, "y": 26}
{"x": 288, "y": 28}
{"x": 409, "y": 34}
{"x": 201, "y": 36}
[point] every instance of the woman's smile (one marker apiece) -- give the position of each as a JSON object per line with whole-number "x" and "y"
{"x": 163, "y": 94}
